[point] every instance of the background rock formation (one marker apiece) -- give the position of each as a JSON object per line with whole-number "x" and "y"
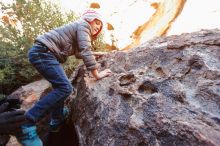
{"x": 30, "y": 94}
{"x": 164, "y": 92}
{"x": 159, "y": 23}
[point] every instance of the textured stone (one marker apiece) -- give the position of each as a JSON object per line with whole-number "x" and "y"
{"x": 164, "y": 92}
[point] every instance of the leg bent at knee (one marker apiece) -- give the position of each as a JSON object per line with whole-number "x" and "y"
{"x": 66, "y": 90}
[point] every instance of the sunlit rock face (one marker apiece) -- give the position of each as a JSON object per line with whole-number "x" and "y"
{"x": 162, "y": 93}
{"x": 159, "y": 23}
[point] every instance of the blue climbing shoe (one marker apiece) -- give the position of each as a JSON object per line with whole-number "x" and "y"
{"x": 29, "y": 136}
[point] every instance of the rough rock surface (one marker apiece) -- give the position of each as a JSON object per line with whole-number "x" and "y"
{"x": 165, "y": 92}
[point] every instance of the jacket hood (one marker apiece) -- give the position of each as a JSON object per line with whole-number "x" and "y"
{"x": 91, "y": 15}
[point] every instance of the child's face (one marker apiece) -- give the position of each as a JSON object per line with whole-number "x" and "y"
{"x": 96, "y": 26}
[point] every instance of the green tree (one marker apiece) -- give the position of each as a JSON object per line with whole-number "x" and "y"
{"x": 36, "y": 17}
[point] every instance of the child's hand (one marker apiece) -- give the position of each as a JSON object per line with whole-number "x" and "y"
{"x": 102, "y": 74}
{"x": 105, "y": 73}
{"x": 99, "y": 54}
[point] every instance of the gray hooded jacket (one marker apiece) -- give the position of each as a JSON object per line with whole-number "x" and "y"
{"x": 71, "y": 39}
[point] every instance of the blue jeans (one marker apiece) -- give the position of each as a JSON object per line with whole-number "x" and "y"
{"x": 50, "y": 68}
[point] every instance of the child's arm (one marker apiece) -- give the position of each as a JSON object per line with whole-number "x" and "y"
{"x": 84, "y": 44}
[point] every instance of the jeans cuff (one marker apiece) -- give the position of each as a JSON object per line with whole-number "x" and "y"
{"x": 30, "y": 118}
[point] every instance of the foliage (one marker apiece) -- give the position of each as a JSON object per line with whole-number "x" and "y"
{"x": 35, "y": 17}
{"x": 98, "y": 44}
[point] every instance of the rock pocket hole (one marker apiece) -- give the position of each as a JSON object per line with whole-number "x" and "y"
{"x": 127, "y": 79}
{"x": 142, "y": 144}
{"x": 196, "y": 62}
{"x": 111, "y": 92}
{"x": 216, "y": 119}
{"x": 160, "y": 71}
{"x": 147, "y": 87}
{"x": 126, "y": 96}
{"x": 103, "y": 64}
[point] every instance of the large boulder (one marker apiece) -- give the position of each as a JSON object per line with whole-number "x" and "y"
{"x": 165, "y": 92}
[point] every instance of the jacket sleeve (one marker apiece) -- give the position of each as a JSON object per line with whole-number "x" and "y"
{"x": 84, "y": 42}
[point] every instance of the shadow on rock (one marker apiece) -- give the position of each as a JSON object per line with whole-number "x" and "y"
{"x": 65, "y": 137}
